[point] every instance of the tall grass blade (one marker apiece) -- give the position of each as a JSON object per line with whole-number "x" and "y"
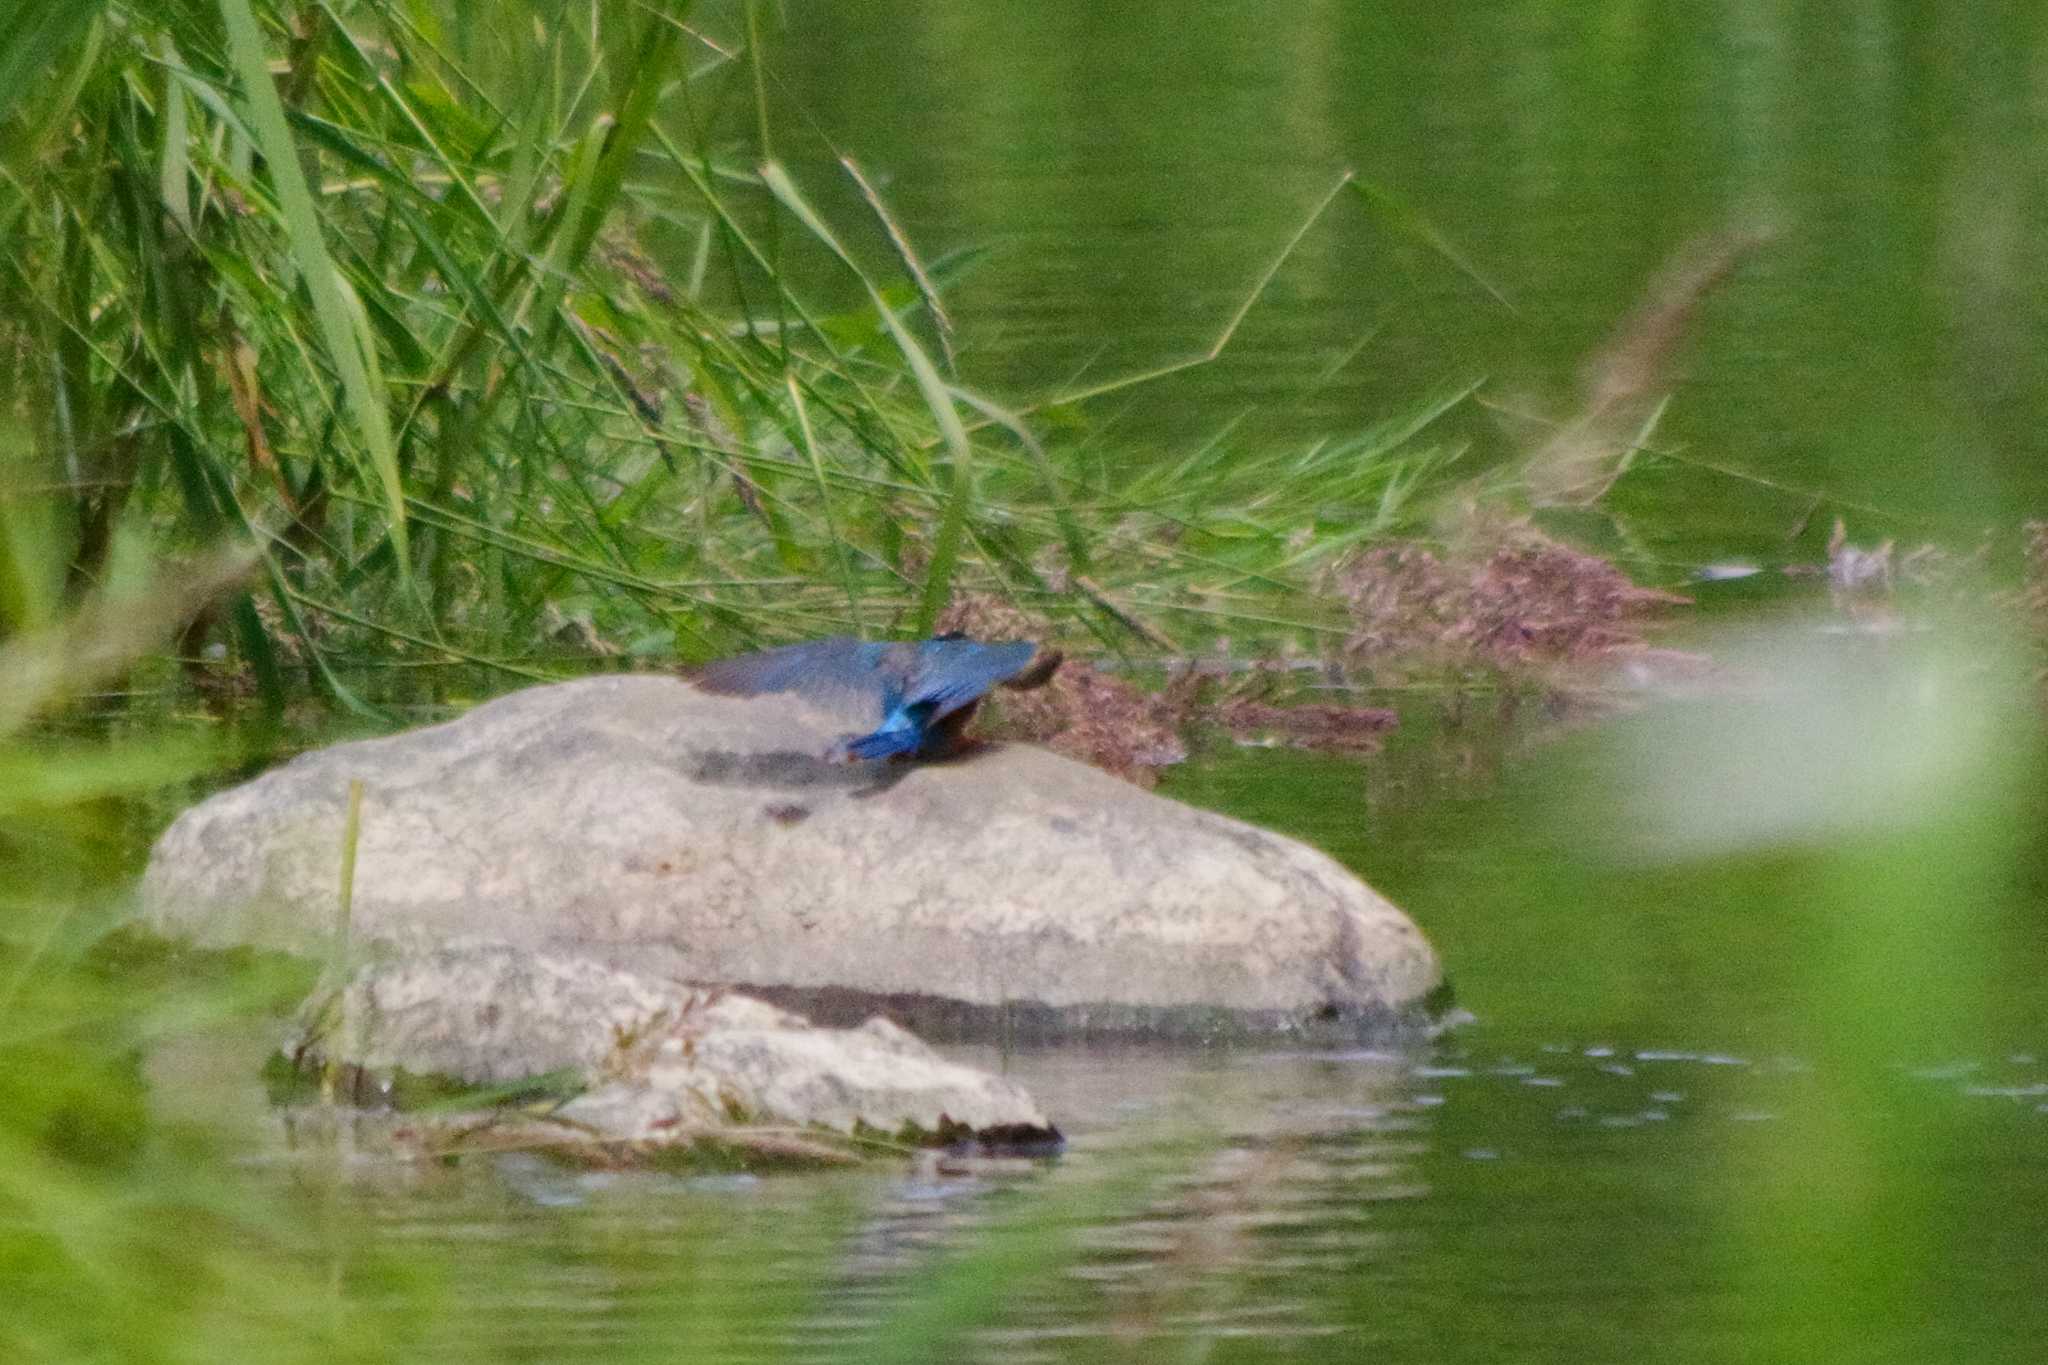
{"x": 942, "y": 322}
{"x": 938, "y": 397}
{"x": 343, "y": 328}
{"x": 1395, "y": 212}
{"x": 839, "y": 548}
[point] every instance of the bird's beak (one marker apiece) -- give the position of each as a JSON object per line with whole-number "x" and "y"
{"x": 1040, "y": 672}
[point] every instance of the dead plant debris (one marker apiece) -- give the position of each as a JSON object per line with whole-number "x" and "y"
{"x": 1514, "y": 603}
{"x": 1097, "y": 717}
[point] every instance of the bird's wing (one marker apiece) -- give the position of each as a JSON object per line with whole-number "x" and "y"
{"x": 949, "y": 674}
{"x": 838, "y": 669}
{"x": 937, "y": 676}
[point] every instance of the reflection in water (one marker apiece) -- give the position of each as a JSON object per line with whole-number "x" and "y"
{"x": 1288, "y": 1201}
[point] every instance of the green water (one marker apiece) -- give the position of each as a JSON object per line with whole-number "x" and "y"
{"x": 1679, "y": 1123}
{"x": 1135, "y": 167}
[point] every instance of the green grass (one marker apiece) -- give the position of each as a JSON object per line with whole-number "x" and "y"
{"x": 371, "y": 289}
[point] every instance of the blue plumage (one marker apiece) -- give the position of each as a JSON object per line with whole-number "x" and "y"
{"x": 923, "y": 692}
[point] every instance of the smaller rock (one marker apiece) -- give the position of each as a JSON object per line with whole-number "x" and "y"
{"x": 650, "y": 1061}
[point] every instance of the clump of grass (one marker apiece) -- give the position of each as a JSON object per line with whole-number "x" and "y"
{"x": 372, "y": 288}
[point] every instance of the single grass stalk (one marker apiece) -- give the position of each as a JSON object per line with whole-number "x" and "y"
{"x": 344, "y": 329}
{"x": 942, "y": 322}
{"x": 839, "y": 550}
{"x": 342, "y": 948}
{"x": 1396, "y": 213}
{"x": 938, "y": 399}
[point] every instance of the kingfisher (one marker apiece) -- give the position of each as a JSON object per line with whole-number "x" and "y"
{"x": 924, "y": 690}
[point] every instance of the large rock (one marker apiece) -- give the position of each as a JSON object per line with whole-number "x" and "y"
{"x": 650, "y": 1060}
{"x": 636, "y": 820}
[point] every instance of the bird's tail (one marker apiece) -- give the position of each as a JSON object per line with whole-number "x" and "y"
{"x": 885, "y": 743}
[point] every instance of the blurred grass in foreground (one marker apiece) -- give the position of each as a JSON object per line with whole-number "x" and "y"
{"x": 1896, "y": 778}
{"x": 1827, "y": 867}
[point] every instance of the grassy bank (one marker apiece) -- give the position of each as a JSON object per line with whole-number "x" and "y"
{"x": 369, "y": 287}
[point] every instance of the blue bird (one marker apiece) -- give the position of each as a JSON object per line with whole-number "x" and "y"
{"x": 925, "y": 691}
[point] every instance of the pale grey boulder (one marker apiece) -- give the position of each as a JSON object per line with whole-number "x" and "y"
{"x": 637, "y": 820}
{"x": 646, "y": 1059}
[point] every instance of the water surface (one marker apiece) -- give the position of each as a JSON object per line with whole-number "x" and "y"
{"x": 1134, "y": 169}
{"x": 1669, "y": 1129}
